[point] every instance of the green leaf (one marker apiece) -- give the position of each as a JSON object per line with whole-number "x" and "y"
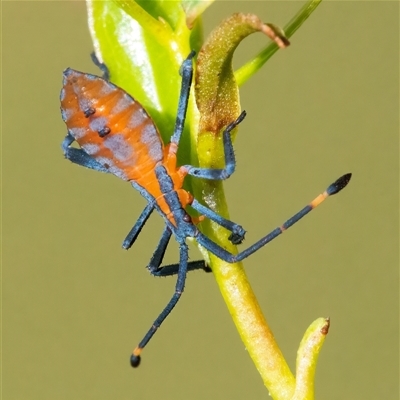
{"x": 194, "y": 8}
{"x": 143, "y": 53}
{"x": 167, "y": 10}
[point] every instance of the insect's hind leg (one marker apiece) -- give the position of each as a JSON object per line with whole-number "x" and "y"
{"x": 180, "y": 284}
{"x": 172, "y": 269}
{"x": 79, "y": 156}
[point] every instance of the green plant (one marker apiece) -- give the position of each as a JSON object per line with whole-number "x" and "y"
{"x": 143, "y": 43}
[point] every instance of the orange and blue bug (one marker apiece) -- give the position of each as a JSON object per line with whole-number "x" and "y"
{"x": 117, "y": 136}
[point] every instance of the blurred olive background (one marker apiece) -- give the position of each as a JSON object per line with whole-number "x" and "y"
{"x": 75, "y": 304}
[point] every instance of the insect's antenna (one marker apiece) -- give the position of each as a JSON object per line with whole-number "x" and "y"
{"x": 186, "y": 72}
{"x": 334, "y": 188}
{"x": 220, "y": 252}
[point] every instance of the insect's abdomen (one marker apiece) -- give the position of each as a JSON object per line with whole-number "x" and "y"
{"x": 110, "y": 125}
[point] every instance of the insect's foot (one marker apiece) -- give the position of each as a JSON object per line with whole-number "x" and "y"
{"x": 237, "y": 236}
{"x": 207, "y": 269}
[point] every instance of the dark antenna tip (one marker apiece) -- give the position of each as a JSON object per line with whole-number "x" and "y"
{"x": 339, "y": 184}
{"x": 135, "y": 361}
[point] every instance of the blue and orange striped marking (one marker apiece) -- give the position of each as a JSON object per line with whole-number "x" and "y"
{"x": 117, "y": 136}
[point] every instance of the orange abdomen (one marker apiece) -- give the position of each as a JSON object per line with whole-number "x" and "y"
{"x": 110, "y": 125}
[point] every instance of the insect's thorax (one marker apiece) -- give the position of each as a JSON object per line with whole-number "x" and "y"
{"x": 164, "y": 183}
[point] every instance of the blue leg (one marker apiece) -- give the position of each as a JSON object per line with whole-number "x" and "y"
{"x": 180, "y": 285}
{"x": 230, "y": 162}
{"x": 103, "y": 67}
{"x": 237, "y": 232}
{"x": 173, "y": 269}
{"x": 79, "y": 156}
{"x": 220, "y": 252}
{"x": 139, "y": 224}
{"x": 156, "y": 259}
{"x": 186, "y": 72}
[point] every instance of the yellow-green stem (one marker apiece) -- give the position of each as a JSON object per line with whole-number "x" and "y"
{"x": 253, "y": 329}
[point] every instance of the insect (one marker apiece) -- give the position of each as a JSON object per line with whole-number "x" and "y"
{"x": 117, "y": 136}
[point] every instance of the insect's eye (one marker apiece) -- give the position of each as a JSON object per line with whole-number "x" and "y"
{"x": 187, "y": 218}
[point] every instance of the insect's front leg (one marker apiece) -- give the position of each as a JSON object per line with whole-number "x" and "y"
{"x": 230, "y": 161}
{"x": 186, "y": 72}
{"x": 237, "y": 231}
